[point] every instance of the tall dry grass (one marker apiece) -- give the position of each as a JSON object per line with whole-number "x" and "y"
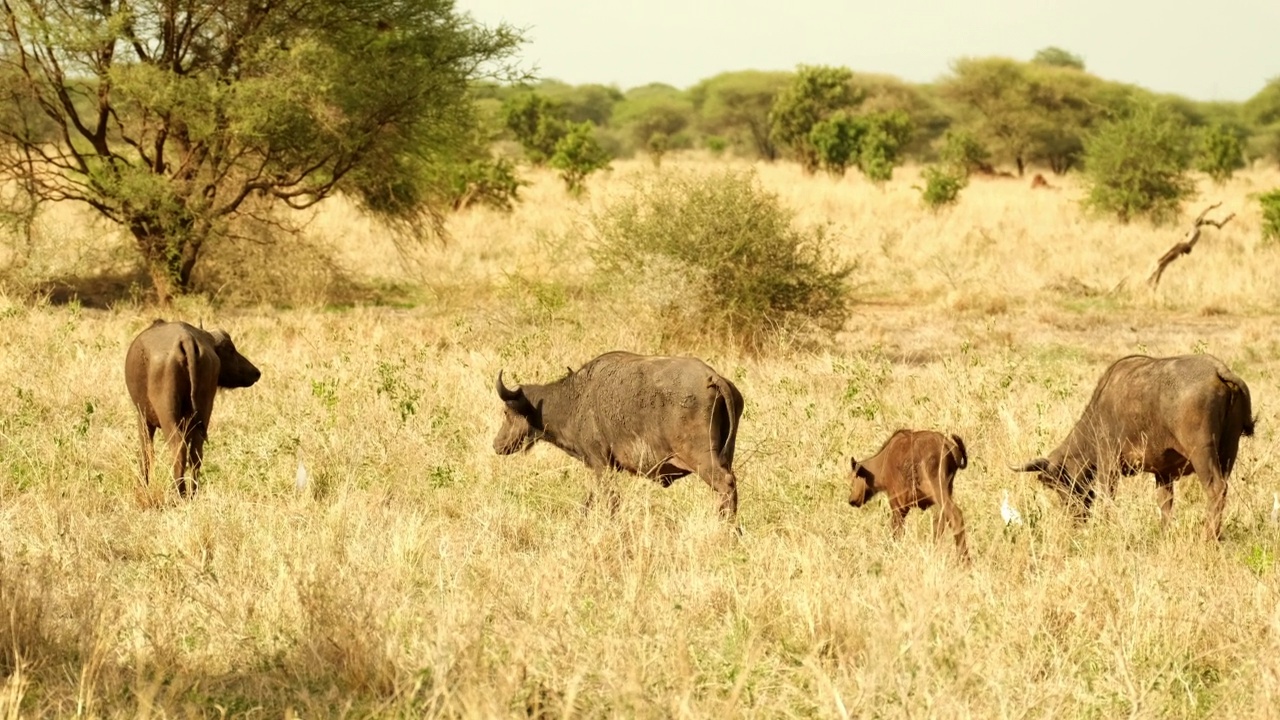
{"x": 421, "y": 575}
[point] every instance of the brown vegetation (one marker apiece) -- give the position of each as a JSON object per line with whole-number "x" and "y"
{"x": 418, "y": 574}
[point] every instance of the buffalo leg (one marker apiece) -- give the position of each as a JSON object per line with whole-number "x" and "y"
{"x": 956, "y": 520}
{"x": 147, "y": 456}
{"x": 897, "y": 521}
{"x": 602, "y": 485}
{"x": 1164, "y": 495}
{"x": 195, "y": 455}
{"x": 1205, "y": 462}
{"x": 725, "y": 484}
{"x": 176, "y": 437}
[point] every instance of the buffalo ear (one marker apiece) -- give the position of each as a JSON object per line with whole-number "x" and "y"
{"x": 1037, "y": 465}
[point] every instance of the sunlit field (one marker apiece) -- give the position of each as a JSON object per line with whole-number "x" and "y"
{"x": 418, "y": 574}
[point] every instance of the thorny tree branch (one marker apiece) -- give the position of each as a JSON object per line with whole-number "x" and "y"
{"x": 1185, "y": 247}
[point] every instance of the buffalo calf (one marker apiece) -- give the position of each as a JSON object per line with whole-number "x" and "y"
{"x": 173, "y": 370}
{"x": 916, "y": 469}
{"x": 1167, "y": 416}
{"x": 653, "y": 416}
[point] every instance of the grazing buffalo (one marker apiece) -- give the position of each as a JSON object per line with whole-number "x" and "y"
{"x": 659, "y": 417}
{"x": 916, "y": 469}
{"x": 173, "y": 371}
{"x": 1166, "y": 416}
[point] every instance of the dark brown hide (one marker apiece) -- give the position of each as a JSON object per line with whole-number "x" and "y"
{"x": 173, "y": 370}
{"x": 659, "y": 417}
{"x": 916, "y": 469}
{"x": 1167, "y": 416}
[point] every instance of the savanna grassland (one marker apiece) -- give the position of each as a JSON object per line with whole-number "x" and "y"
{"x": 419, "y": 574}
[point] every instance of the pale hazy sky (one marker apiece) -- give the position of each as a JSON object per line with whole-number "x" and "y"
{"x": 1208, "y": 50}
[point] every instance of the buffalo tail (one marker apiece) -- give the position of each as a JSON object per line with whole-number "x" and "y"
{"x": 959, "y": 453}
{"x": 1237, "y": 390}
{"x": 726, "y": 395}
{"x": 191, "y": 352}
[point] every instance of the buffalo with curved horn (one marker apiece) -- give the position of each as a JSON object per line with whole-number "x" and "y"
{"x": 1167, "y": 416}
{"x": 655, "y": 416}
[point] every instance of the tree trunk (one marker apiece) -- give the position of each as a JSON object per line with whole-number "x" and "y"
{"x": 1021, "y": 165}
{"x": 162, "y": 283}
{"x": 170, "y": 261}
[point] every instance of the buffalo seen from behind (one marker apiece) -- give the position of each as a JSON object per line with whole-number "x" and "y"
{"x": 654, "y": 416}
{"x": 173, "y": 371}
{"x": 1166, "y": 416}
{"x": 915, "y": 469}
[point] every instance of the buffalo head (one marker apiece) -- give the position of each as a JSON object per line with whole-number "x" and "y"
{"x": 521, "y": 421}
{"x": 234, "y": 369}
{"x": 1074, "y": 483}
{"x": 862, "y": 484}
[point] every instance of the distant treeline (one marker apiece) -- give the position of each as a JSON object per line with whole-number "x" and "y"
{"x": 1024, "y": 113}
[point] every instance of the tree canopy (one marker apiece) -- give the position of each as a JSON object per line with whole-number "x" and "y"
{"x": 175, "y": 117}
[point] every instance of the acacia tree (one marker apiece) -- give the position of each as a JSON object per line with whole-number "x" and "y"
{"x": 175, "y": 117}
{"x": 738, "y": 103}
{"x": 998, "y": 92}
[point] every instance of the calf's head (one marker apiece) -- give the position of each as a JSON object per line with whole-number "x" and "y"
{"x": 521, "y": 421}
{"x": 235, "y": 370}
{"x": 862, "y": 483}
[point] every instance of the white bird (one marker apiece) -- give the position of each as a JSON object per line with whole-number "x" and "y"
{"x": 1275, "y": 508}
{"x": 1008, "y": 512}
{"x": 300, "y": 480}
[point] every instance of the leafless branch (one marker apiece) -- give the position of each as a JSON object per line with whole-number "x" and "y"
{"x": 1185, "y": 247}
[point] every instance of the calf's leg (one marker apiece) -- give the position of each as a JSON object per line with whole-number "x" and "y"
{"x": 1164, "y": 496}
{"x": 897, "y": 521}
{"x": 956, "y": 520}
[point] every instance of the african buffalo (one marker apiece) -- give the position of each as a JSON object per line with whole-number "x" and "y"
{"x": 659, "y": 417}
{"x": 1166, "y": 416}
{"x": 916, "y": 469}
{"x": 173, "y": 370}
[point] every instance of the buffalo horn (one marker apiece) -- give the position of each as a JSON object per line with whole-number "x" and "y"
{"x": 504, "y": 393}
{"x": 1037, "y": 465}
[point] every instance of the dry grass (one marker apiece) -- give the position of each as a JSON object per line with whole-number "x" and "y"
{"x": 421, "y": 575}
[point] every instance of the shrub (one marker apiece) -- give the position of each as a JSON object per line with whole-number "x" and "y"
{"x": 1270, "y": 203}
{"x": 880, "y": 149}
{"x": 538, "y": 123}
{"x": 1137, "y": 165}
{"x": 962, "y": 152}
{"x": 750, "y": 272}
{"x": 813, "y": 93}
{"x": 485, "y": 182}
{"x": 716, "y": 144}
{"x": 872, "y": 142}
{"x": 942, "y": 185}
{"x": 837, "y": 141}
{"x": 578, "y": 155}
{"x": 658, "y": 145}
{"x": 1220, "y": 153}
